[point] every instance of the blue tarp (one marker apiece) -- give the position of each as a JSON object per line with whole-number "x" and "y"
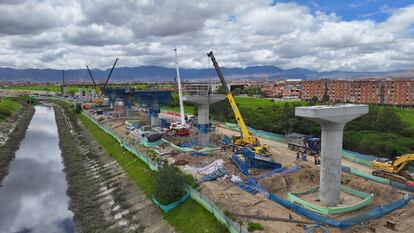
{"x": 214, "y": 175}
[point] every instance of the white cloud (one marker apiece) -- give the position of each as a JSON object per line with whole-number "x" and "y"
{"x": 70, "y": 34}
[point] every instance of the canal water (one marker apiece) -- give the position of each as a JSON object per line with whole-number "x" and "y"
{"x": 33, "y": 196}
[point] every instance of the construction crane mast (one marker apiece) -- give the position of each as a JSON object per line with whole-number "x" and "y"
{"x": 180, "y": 94}
{"x": 246, "y": 139}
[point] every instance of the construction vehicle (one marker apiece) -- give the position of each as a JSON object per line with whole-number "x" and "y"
{"x": 180, "y": 128}
{"x": 304, "y": 144}
{"x": 393, "y": 169}
{"x": 98, "y": 89}
{"x": 245, "y": 139}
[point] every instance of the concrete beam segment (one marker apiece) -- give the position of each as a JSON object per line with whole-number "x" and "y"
{"x": 203, "y": 105}
{"x": 332, "y": 120}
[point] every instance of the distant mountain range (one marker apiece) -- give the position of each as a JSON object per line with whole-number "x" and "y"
{"x": 157, "y": 73}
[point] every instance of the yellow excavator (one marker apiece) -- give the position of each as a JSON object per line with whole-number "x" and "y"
{"x": 393, "y": 169}
{"x": 245, "y": 139}
{"x": 98, "y": 90}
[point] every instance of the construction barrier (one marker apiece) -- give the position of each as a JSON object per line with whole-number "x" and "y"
{"x": 366, "y": 200}
{"x": 234, "y": 227}
{"x": 189, "y": 149}
{"x": 144, "y": 141}
{"x": 359, "y": 158}
{"x": 151, "y": 164}
{"x": 231, "y": 225}
{"x": 371, "y": 214}
{"x": 171, "y": 206}
{"x": 396, "y": 184}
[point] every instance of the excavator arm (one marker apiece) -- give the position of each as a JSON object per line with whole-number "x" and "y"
{"x": 242, "y": 126}
{"x": 393, "y": 170}
{"x": 400, "y": 163}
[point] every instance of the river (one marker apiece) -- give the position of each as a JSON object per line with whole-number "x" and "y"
{"x": 33, "y": 195}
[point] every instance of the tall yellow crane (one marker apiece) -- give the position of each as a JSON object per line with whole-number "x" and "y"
{"x": 245, "y": 139}
{"x": 393, "y": 169}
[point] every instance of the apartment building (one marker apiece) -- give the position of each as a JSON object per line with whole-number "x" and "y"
{"x": 393, "y": 92}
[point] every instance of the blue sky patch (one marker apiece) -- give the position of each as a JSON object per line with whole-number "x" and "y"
{"x": 376, "y": 10}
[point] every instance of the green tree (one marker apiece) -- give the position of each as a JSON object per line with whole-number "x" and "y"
{"x": 170, "y": 185}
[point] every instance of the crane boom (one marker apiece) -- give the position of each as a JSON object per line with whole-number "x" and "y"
{"x": 90, "y": 75}
{"x": 107, "y": 79}
{"x": 242, "y": 126}
{"x": 179, "y": 89}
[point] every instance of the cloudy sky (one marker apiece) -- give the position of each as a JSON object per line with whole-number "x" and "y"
{"x": 354, "y": 35}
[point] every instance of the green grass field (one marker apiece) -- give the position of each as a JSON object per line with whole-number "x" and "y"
{"x": 407, "y": 115}
{"x": 250, "y": 101}
{"x": 8, "y": 107}
{"x": 187, "y": 109}
{"x": 189, "y": 217}
{"x": 69, "y": 89}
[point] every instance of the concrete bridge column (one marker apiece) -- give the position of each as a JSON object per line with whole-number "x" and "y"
{"x": 332, "y": 120}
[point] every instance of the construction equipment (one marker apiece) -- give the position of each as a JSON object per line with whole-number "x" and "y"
{"x": 393, "y": 169}
{"x": 304, "y": 144}
{"x": 180, "y": 128}
{"x": 245, "y": 159}
{"x": 98, "y": 90}
{"x": 245, "y": 139}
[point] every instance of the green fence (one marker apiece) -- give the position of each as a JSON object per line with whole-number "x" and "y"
{"x": 366, "y": 200}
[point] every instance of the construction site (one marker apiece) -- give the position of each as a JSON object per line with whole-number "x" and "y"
{"x": 286, "y": 183}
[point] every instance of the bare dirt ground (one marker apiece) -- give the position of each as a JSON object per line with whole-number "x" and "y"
{"x": 236, "y": 201}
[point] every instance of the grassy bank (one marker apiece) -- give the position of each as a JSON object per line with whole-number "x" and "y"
{"x": 189, "y": 217}
{"x": 8, "y": 107}
{"x": 8, "y": 150}
{"x": 82, "y": 189}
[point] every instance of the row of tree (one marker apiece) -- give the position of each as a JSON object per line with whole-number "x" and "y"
{"x": 381, "y": 132}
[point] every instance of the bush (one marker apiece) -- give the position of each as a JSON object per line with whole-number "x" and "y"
{"x": 78, "y": 108}
{"x": 253, "y": 226}
{"x": 169, "y": 185}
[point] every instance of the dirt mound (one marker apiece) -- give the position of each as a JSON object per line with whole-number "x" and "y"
{"x": 302, "y": 180}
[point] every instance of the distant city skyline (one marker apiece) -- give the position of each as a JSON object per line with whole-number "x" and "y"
{"x": 320, "y": 35}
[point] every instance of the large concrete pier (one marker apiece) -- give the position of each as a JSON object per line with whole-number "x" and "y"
{"x": 332, "y": 120}
{"x": 203, "y": 105}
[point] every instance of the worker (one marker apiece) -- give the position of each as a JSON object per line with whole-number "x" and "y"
{"x": 315, "y": 158}
{"x": 297, "y": 156}
{"x": 304, "y": 157}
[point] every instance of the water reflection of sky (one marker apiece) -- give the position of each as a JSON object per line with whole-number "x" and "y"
{"x": 33, "y": 197}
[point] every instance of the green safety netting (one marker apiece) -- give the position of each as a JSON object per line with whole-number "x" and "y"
{"x": 366, "y": 200}
{"x": 233, "y": 226}
{"x": 144, "y": 141}
{"x": 189, "y": 149}
{"x": 153, "y": 166}
{"x": 171, "y": 206}
{"x": 381, "y": 180}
